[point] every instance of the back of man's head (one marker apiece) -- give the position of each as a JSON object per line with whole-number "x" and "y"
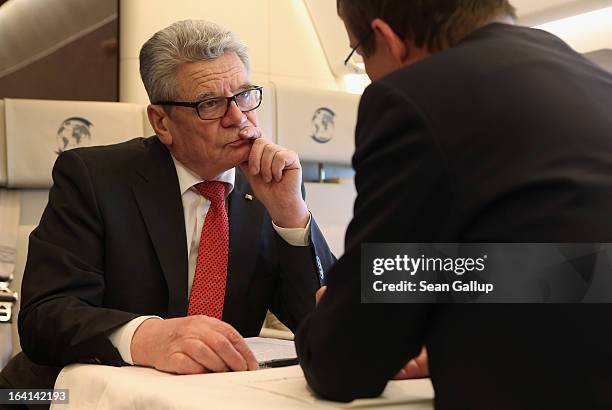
{"x": 431, "y": 24}
{"x": 183, "y": 42}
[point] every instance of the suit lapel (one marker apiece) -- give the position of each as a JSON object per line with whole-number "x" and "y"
{"x": 245, "y": 218}
{"x": 158, "y": 196}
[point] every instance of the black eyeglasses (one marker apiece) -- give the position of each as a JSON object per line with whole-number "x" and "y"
{"x": 215, "y": 108}
{"x": 359, "y": 44}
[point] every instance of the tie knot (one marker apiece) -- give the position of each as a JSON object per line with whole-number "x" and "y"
{"x": 213, "y": 190}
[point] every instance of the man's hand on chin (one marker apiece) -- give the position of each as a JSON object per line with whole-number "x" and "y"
{"x": 191, "y": 345}
{"x": 275, "y": 174}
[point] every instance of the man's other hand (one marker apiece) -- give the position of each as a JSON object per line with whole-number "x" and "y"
{"x": 415, "y": 368}
{"x": 275, "y": 174}
{"x": 191, "y": 345}
{"x": 319, "y": 294}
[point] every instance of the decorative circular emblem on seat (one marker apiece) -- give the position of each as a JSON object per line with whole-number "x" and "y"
{"x": 323, "y": 125}
{"x": 74, "y": 132}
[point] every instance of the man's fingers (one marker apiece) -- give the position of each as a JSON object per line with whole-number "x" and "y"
{"x": 205, "y": 356}
{"x": 401, "y": 375}
{"x": 257, "y": 150}
{"x": 285, "y": 160}
{"x": 415, "y": 368}
{"x": 239, "y": 344}
{"x": 320, "y": 294}
{"x": 181, "y": 363}
{"x": 412, "y": 369}
{"x": 250, "y": 132}
{"x": 198, "y": 344}
{"x": 270, "y": 160}
{"x": 226, "y": 350}
{"x": 279, "y": 164}
{"x": 244, "y": 350}
{"x": 268, "y": 156}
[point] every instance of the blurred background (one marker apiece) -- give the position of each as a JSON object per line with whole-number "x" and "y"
{"x": 88, "y": 49}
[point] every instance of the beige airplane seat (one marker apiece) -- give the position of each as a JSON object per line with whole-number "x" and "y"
{"x": 32, "y": 134}
{"x": 319, "y": 125}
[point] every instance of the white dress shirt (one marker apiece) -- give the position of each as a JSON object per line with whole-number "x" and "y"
{"x": 195, "y": 208}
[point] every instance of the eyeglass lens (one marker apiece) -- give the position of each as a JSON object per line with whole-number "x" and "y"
{"x": 217, "y": 107}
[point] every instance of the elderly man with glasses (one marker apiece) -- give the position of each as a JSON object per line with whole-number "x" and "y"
{"x": 167, "y": 251}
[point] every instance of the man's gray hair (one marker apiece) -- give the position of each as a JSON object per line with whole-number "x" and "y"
{"x": 183, "y": 42}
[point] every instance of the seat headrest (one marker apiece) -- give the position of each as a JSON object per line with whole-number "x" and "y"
{"x": 318, "y": 124}
{"x": 36, "y": 131}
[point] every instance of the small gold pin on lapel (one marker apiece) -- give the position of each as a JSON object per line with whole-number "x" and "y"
{"x": 248, "y": 197}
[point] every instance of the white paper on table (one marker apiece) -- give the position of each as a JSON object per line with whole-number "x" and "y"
{"x": 268, "y": 350}
{"x": 396, "y": 392}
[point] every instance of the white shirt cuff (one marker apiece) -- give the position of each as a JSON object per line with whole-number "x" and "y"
{"x": 121, "y": 337}
{"x": 295, "y": 236}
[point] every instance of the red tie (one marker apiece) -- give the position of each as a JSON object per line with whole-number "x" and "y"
{"x": 208, "y": 290}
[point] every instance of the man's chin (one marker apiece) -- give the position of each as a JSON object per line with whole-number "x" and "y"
{"x": 239, "y": 153}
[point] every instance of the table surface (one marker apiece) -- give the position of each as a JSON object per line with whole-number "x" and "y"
{"x": 106, "y": 387}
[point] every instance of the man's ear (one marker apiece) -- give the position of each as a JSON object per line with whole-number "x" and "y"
{"x": 395, "y": 46}
{"x": 158, "y": 117}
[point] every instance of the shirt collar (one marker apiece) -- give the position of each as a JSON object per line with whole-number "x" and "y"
{"x": 187, "y": 178}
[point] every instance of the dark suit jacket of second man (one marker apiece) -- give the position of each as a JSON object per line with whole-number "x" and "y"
{"x": 506, "y": 137}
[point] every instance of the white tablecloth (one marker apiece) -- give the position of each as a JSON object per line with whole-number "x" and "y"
{"x": 105, "y": 387}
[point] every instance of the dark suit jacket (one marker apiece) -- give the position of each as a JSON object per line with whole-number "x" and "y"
{"x": 111, "y": 246}
{"x": 506, "y": 137}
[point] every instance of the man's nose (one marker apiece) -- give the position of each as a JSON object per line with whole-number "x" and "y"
{"x": 233, "y": 116}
